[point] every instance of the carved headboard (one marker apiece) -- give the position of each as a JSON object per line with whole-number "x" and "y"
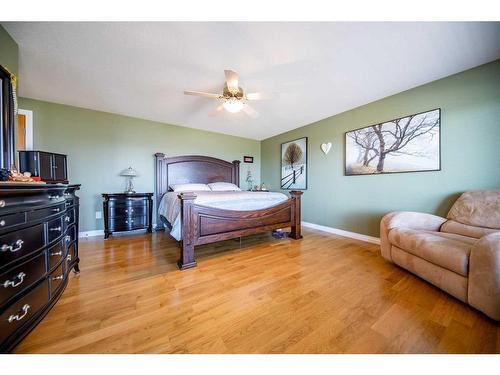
{"x": 192, "y": 169}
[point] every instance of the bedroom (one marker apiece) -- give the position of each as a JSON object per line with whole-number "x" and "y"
{"x": 200, "y": 187}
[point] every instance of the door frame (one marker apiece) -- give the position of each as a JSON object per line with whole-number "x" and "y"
{"x": 29, "y": 127}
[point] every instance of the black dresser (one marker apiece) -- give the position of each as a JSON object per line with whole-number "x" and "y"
{"x": 126, "y": 212}
{"x": 38, "y": 249}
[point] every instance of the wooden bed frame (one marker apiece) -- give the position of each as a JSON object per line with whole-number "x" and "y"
{"x": 202, "y": 224}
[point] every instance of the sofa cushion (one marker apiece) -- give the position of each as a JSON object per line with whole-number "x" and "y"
{"x": 447, "y": 250}
{"x": 452, "y": 226}
{"x": 478, "y": 208}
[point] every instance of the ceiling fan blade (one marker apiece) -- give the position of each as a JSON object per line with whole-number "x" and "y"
{"x": 249, "y": 111}
{"x": 217, "y": 110}
{"x": 232, "y": 81}
{"x": 260, "y": 96}
{"x": 204, "y": 94}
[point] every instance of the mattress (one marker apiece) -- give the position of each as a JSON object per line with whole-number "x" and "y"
{"x": 170, "y": 206}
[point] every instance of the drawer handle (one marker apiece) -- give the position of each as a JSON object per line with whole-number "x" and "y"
{"x": 13, "y": 283}
{"x": 60, "y": 277}
{"x": 67, "y": 219}
{"x": 67, "y": 238}
{"x": 18, "y": 317}
{"x": 2, "y": 223}
{"x": 53, "y": 196}
{"x": 12, "y": 248}
{"x": 131, "y": 210}
{"x": 56, "y": 209}
{"x": 131, "y": 221}
{"x": 56, "y": 254}
{"x": 57, "y": 229}
{"x": 68, "y": 259}
{"x": 2, "y": 203}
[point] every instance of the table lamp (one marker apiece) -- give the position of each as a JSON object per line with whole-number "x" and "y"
{"x": 130, "y": 173}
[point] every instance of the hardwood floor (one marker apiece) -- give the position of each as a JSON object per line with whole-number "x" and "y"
{"x": 322, "y": 294}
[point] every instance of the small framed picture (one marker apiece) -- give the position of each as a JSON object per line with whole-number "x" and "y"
{"x": 248, "y": 159}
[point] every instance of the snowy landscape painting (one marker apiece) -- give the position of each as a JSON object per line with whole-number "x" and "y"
{"x": 294, "y": 164}
{"x": 406, "y": 144}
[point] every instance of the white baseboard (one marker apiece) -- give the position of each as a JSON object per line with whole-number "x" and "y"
{"x": 91, "y": 233}
{"x": 340, "y": 232}
{"x": 95, "y": 233}
{"x": 344, "y": 233}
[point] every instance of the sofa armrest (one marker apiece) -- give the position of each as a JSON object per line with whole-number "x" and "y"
{"x": 484, "y": 275}
{"x": 406, "y": 219}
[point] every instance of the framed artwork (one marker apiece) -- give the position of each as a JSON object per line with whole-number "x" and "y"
{"x": 248, "y": 159}
{"x": 406, "y": 144}
{"x": 294, "y": 164}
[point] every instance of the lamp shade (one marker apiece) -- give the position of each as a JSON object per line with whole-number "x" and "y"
{"x": 129, "y": 172}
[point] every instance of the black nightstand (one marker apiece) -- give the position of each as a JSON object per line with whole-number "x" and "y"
{"x": 126, "y": 212}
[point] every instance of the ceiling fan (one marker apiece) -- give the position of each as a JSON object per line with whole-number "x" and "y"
{"x": 233, "y": 98}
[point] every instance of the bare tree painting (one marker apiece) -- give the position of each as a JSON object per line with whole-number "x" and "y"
{"x": 406, "y": 144}
{"x": 294, "y": 164}
{"x": 293, "y": 154}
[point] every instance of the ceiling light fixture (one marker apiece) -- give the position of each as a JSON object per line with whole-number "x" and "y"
{"x": 233, "y": 105}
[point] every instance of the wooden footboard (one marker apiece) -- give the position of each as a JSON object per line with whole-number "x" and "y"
{"x": 201, "y": 224}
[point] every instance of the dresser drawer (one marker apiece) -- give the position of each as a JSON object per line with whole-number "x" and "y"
{"x": 57, "y": 278}
{"x": 11, "y": 220}
{"x": 23, "y": 310}
{"x": 18, "y": 244}
{"x": 21, "y": 277}
{"x": 55, "y": 254}
{"x": 128, "y": 201}
{"x": 127, "y": 211}
{"x": 72, "y": 252}
{"x": 46, "y": 212}
{"x": 54, "y": 229}
{"x": 71, "y": 234}
{"x": 69, "y": 218}
{"x": 128, "y": 223}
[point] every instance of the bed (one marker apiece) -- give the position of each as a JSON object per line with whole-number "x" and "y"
{"x": 201, "y": 221}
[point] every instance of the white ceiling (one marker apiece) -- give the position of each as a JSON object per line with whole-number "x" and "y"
{"x": 317, "y": 69}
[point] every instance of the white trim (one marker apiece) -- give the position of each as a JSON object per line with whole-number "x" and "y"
{"x": 91, "y": 233}
{"x": 339, "y": 232}
{"x": 344, "y": 233}
{"x": 29, "y": 127}
{"x": 100, "y": 232}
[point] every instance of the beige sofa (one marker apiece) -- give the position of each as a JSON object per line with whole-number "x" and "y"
{"x": 459, "y": 254}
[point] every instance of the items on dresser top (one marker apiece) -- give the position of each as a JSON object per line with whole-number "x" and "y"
{"x": 48, "y": 166}
{"x": 38, "y": 249}
{"x": 125, "y": 212}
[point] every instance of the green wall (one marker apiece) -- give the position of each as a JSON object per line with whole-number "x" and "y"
{"x": 470, "y": 154}
{"x": 100, "y": 145}
{"x": 9, "y": 51}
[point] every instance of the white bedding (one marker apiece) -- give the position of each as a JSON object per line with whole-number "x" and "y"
{"x": 228, "y": 200}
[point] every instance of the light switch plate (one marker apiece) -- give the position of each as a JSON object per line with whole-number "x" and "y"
{"x": 98, "y": 214}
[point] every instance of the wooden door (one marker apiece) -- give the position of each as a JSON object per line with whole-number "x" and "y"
{"x": 21, "y": 132}
{"x": 45, "y": 163}
{"x": 59, "y": 167}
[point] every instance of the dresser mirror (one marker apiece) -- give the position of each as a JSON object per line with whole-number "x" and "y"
{"x": 6, "y": 120}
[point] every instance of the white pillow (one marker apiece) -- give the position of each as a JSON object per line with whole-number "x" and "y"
{"x": 223, "y": 186}
{"x": 189, "y": 187}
